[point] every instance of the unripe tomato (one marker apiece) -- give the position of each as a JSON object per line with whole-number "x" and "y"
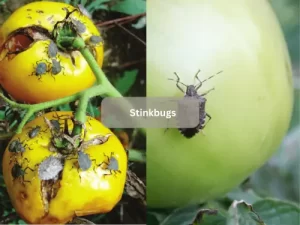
{"x": 75, "y": 192}
{"x": 250, "y": 106}
{"x": 27, "y": 71}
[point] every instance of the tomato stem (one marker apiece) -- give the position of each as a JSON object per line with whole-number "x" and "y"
{"x": 31, "y": 109}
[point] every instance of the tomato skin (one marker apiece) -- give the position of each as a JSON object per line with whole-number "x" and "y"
{"x": 250, "y": 107}
{"x": 90, "y": 194}
{"x": 17, "y": 74}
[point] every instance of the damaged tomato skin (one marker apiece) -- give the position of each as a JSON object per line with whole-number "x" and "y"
{"x": 15, "y": 71}
{"x": 91, "y": 194}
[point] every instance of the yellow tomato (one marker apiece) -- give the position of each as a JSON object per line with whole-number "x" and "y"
{"x": 76, "y": 192}
{"x": 29, "y": 31}
{"x": 250, "y": 106}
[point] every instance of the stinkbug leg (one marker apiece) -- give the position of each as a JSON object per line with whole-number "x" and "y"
{"x": 205, "y": 93}
{"x": 178, "y": 82}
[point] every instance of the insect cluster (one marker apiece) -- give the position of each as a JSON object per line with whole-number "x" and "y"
{"x": 18, "y": 172}
{"x": 191, "y": 92}
{"x": 52, "y": 166}
{"x": 54, "y": 66}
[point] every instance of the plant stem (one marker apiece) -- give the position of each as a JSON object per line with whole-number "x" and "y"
{"x": 89, "y": 93}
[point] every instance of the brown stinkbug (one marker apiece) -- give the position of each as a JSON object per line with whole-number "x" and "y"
{"x": 191, "y": 92}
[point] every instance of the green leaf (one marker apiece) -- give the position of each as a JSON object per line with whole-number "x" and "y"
{"x": 130, "y": 7}
{"x": 141, "y": 23}
{"x": 65, "y": 107}
{"x": 276, "y": 212}
{"x": 95, "y": 5}
{"x": 241, "y": 213}
{"x": 185, "y": 215}
{"x": 137, "y": 156}
{"x": 124, "y": 84}
{"x": 249, "y": 196}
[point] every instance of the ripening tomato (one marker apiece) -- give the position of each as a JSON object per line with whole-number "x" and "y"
{"x": 250, "y": 105}
{"x": 77, "y": 189}
{"x": 32, "y": 69}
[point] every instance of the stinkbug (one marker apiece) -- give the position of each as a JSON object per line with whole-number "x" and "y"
{"x": 95, "y": 39}
{"x": 50, "y": 168}
{"x": 191, "y": 92}
{"x": 56, "y": 67}
{"x": 16, "y": 146}
{"x": 52, "y": 49}
{"x": 78, "y": 25}
{"x": 84, "y": 161}
{"x": 55, "y": 124}
{"x": 18, "y": 172}
{"x": 40, "y": 69}
{"x": 112, "y": 165}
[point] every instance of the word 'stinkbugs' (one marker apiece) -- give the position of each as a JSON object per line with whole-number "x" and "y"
{"x": 50, "y": 168}
{"x": 191, "y": 92}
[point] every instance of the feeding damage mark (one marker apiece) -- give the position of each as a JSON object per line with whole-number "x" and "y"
{"x": 22, "y": 39}
{"x": 50, "y": 173}
{"x": 191, "y": 92}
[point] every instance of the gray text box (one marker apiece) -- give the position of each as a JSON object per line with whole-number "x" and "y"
{"x": 149, "y": 112}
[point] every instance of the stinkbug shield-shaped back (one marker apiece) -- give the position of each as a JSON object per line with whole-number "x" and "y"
{"x": 192, "y": 92}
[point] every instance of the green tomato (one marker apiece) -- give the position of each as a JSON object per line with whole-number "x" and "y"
{"x": 250, "y": 106}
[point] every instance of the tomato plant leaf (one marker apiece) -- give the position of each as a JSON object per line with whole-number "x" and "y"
{"x": 124, "y": 84}
{"x": 241, "y": 213}
{"x": 249, "y": 196}
{"x": 277, "y": 212}
{"x": 130, "y": 7}
{"x": 186, "y": 215}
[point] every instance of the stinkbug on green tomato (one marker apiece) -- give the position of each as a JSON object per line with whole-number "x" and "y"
{"x": 191, "y": 92}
